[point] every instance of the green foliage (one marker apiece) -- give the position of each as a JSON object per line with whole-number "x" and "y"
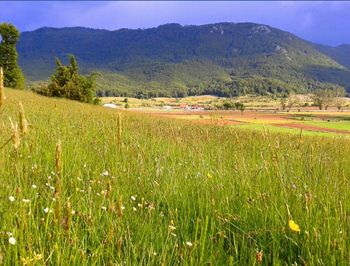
{"x": 13, "y": 76}
{"x": 340, "y": 53}
{"x": 227, "y": 105}
{"x": 67, "y": 83}
{"x": 223, "y": 59}
{"x": 323, "y": 98}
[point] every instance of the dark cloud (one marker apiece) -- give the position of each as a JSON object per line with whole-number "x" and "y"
{"x": 322, "y": 22}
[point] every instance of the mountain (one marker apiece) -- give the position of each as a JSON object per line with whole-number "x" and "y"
{"x": 340, "y": 53}
{"x": 224, "y": 59}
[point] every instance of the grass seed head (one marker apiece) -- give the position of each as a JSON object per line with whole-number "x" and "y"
{"x": 58, "y": 158}
{"x": 120, "y": 207}
{"x": 15, "y": 137}
{"x": 67, "y": 220}
{"x": 23, "y": 123}
{"x": 119, "y": 246}
{"x": 2, "y": 93}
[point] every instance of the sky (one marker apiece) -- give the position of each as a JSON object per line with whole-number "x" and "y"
{"x": 320, "y": 22}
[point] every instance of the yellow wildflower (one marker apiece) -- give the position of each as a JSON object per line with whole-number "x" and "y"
{"x": 209, "y": 176}
{"x": 293, "y": 226}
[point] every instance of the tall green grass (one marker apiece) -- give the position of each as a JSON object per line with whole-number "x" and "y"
{"x": 140, "y": 190}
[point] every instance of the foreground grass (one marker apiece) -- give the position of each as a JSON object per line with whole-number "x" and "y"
{"x": 166, "y": 192}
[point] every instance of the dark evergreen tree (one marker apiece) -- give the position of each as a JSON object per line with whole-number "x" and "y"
{"x": 13, "y": 76}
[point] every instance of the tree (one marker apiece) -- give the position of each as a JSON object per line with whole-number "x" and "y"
{"x": 292, "y": 101}
{"x": 323, "y": 98}
{"x": 240, "y": 107}
{"x": 283, "y": 102}
{"x": 67, "y": 83}
{"x": 227, "y": 105}
{"x": 339, "y": 100}
{"x": 13, "y": 76}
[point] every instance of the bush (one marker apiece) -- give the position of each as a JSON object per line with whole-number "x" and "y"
{"x": 67, "y": 83}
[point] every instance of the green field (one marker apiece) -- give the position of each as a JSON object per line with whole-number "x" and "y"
{"x": 136, "y": 189}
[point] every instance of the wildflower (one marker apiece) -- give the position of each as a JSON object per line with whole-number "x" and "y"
{"x": 259, "y": 256}
{"x": 293, "y": 226}
{"x": 104, "y": 208}
{"x": 34, "y": 186}
{"x": 133, "y": 198}
{"x": 12, "y": 198}
{"x": 26, "y": 200}
{"x": 172, "y": 228}
{"x": 47, "y": 210}
{"x": 209, "y": 176}
{"x": 189, "y": 244}
{"x": 134, "y": 209}
{"x": 12, "y": 240}
{"x": 105, "y": 173}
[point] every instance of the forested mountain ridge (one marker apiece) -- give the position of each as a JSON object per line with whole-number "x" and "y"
{"x": 223, "y": 59}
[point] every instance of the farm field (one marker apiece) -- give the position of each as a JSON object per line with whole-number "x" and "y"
{"x": 89, "y": 185}
{"x": 311, "y": 122}
{"x": 262, "y": 113}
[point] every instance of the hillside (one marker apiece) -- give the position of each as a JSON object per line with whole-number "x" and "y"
{"x": 223, "y": 59}
{"x": 339, "y": 53}
{"x": 214, "y": 195}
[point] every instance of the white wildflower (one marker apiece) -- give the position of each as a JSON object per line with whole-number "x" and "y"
{"x": 26, "y": 200}
{"x": 12, "y": 198}
{"x": 47, "y": 210}
{"x": 12, "y": 240}
{"x": 34, "y": 186}
{"x": 105, "y": 173}
{"x": 189, "y": 244}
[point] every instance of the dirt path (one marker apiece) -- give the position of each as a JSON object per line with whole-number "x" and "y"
{"x": 225, "y": 114}
{"x": 312, "y": 128}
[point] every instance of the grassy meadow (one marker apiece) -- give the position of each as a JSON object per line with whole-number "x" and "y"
{"x": 88, "y": 185}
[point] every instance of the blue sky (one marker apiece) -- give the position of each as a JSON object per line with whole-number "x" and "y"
{"x": 321, "y": 22}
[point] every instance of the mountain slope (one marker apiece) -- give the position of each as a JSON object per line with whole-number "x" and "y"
{"x": 340, "y": 53}
{"x": 186, "y": 59}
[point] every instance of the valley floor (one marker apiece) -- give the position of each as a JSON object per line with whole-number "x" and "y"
{"x": 262, "y": 114}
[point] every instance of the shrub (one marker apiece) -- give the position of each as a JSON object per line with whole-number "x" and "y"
{"x": 67, "y": 83}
